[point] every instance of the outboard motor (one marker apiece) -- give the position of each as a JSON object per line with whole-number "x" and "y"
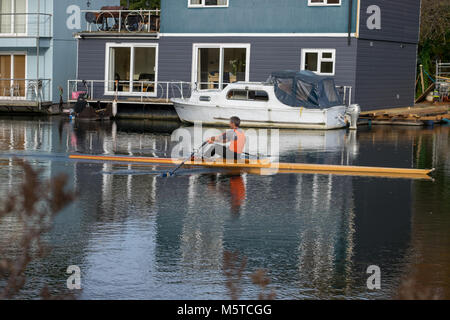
{"x": 352, "y": 115}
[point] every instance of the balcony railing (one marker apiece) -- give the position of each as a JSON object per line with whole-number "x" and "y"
{"x": 122, "y": 20}
{"x": 26, "y": 24}
{"x": 37, "y": 90}
{"x": 149, "y": 91}
{"x": 142, "y": 91}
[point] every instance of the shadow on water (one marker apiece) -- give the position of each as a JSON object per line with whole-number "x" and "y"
{"x": 166, "y": 238}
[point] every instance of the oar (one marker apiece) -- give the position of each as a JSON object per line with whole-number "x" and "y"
{"x": 258, "y": 156}
{"x": 170, "y": 174}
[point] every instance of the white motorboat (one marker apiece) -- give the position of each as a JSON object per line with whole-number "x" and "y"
{"x": 289, "y": 99}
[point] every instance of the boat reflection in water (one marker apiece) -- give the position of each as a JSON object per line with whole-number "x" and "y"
{"x": 138, "y": 235}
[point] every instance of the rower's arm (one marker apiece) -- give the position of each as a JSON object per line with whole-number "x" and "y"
{"x": 220, "y": 138}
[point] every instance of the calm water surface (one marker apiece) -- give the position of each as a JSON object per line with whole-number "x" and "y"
{"x": 138, "y": 236}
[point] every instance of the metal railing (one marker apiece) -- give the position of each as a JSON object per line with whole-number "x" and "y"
{"x": 346, "y": 94}
{"x": 122, "y": 20}
{"x": 143, "y": 91}
{"x": 146, "y": 91}
{"x": 442, "y": 79}
{"x": 37, "y": 90}
{"x": 26, "y": 24}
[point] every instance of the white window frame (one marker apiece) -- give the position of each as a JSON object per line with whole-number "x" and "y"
{"x": 220, "y": 46}
{"x": 203, "y": 5}
{"x": 320, "y": 60}
{"x": 12, "y": 54}
{"x": 13, "y": 22}
{"x": 132, "y": 46}
{"x": 324, "y": 3}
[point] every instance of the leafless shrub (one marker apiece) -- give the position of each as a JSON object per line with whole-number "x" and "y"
{"x": 435, "y": 20}
{"x": 261, "y": 279}
{"x": 416, "y": 286}
{"x": 234, "y": 266}
{"x": 35, "y": 204}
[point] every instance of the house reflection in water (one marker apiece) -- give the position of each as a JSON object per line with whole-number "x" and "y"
{"x": 316, "y": 234}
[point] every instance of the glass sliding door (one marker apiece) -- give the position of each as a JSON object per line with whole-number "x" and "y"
{"x": 132, "y": 69}
{"x": 20, "y": 20}
{"x": 208, "y": 68}
{"x": 19, "y": 76}
{"x": 6, "y": 16}
{"x": 13, "y": 18}
{"x": 119, "y": 69}
{"x": 234, "y": 65}
{"x": 216, "y": 67}
{"x": 12, "y": 76}
{"x": 5, "y": 75}
{"x": 144, "y": 70}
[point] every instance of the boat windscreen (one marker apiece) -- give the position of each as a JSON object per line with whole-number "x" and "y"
{"x": 305, "y": 89}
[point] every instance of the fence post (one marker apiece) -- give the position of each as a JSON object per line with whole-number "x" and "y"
{"x": 350, "y": 97}
{"x": 120, "y": 20}
{"x": 68, "y": 89}
{"x": 167, "y": 92}
{"x": 181, "y": 85}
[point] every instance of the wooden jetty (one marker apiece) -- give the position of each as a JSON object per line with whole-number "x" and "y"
{"x": 418, "y": 115}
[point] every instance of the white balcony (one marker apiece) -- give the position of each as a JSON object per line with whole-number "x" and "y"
{"x": 33, "y": 25}
{"x": 122, "y": 21}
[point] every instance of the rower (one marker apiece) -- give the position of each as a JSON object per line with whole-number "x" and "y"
{"x": 237, "y": 138}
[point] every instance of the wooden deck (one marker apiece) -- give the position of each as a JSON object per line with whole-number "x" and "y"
{"x": 131, "y": 100}
{"x": 26, "y": 106}
{"x": 418, "y": 115}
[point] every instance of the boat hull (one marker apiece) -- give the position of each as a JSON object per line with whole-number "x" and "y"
{"x": 286, "y": 118}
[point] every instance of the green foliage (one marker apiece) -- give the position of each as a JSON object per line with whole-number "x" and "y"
{"x": 434, "y": 35}
{"x": 141, "y": 4}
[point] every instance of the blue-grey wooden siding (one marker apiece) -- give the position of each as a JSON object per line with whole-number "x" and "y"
{"x": 267, "y": 54}
{"x": 400, "y": 20}
{"x": 256, "y": 16}
{"x": 91, "y": 61}
{"x": 385, "y": 74}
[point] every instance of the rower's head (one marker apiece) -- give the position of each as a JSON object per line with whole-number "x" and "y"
{"x": 235, "y": 122}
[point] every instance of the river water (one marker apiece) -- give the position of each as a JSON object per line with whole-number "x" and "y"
{"x": 136, "y": 235}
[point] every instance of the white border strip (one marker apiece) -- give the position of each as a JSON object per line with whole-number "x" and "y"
{"x": 332, "y": 35}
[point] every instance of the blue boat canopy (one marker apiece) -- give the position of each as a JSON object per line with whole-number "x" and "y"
{"x": 305, "y": 89}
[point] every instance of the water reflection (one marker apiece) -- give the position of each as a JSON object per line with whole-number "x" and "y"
{"x": 136, "y": 235}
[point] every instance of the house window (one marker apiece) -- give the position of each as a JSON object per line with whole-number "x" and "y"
{"x": 207, "y": 3}
{"x": 324, "y": 2}
{"x": 217, "y": 65}
{"x": 13, "y": 16}
{"x": 131, "y": 69}
{"x": 320, "y": 61}
{"x": 12, "y": 75}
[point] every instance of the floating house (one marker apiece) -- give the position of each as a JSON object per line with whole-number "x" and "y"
{"x": 38, "y": 53}
{"x": 147, "y": 57}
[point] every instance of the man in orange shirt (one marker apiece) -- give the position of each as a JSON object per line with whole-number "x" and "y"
{"x": 237, "y": 138}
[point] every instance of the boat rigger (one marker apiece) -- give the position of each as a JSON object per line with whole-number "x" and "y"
{"x": 270, "y": 166}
